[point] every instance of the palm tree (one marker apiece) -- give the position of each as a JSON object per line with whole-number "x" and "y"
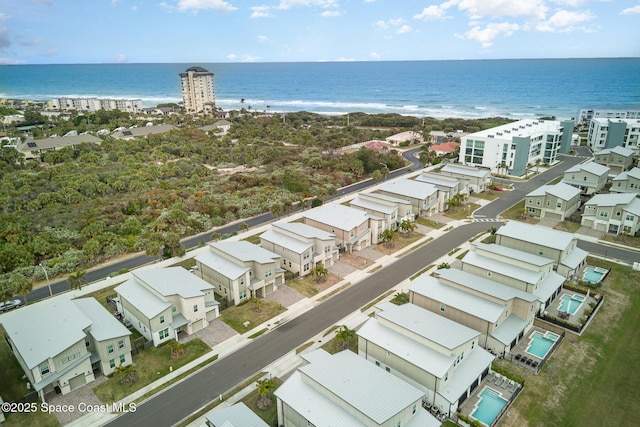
{"x": 127, "y": 374}
{"x": 344, "y": 336}
{"x": 265, "y": 387}
{"x": 320, "y": 273}
{"x": 408, "y": 226}
{"x": 257, "y": 304}
{"x": 388, "y": 236}
{"x": 177, "y": 349}
{"x": 215, "y": 236}
{"x": 77, "y": 280}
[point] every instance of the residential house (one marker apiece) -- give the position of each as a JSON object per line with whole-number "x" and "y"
{"x": 59, "y": 343}
{"x": 607, "y": 133}
{"x": 237, "y": 415}
{"x": 617, "y": 158}
{"x": 301, "y": 246}
{"x": 423, "y": 196}
{"x": 347, "y": 391}
{"x": 410, "y": 136}
{"x": 448, "y": 187}
{"x": 515, "y": 146}
{"x": 161, "y": 303}
{"x": 444, "y": 148}
{"x": 239, "y": 270}
{"x": 404, "y": 205}
{"x": 387, "y": 211}
{"x": 557, "y": 201}
{"x": 521, "y": 270}
{"x": 221, "y": 127}
{"x": 142, "y": 132}
{"x": 472, "y": 179}
{"x": 353, "y": 228}
{"x": 434, "y": 354}
{"x": 500, "y": 313}
{"x": 626, "y": 182}
{"x": 616, "y": 213}
{"x": 34, "y": 149}
{"x": 558, "y": 246}
{"x": 589, "y": 177}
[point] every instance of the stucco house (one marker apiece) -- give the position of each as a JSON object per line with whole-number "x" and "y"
{"x": 387, "y": 211}
{"x": 557, "y": 201}
{"x": 221, "y": 127}
{"x": 626, "y": 182}
{"x": 345, "y": 390}
{"x": 472, "y": 179}
{"x": 404, "y": 205}
{"x": 521, "y": 270}
{"x": 437, "y": 355}
{"x": 301, "y": 246}
{"x": 558, "y": 246}
{"x": 161, "y": 303}
{"x": 589, "y": 177}
{"x": 239, "y": 270}
{"x": 60, "y": 342}
{"x": 353, "y": 228}
{"x": 447, "y": 186}
{"x": 34, "y": 149}
{"x": 617, "y": 158}
{"x": 616, "y": 213}
{"x": 500, "y": 313}
{"x": 423, "y": 196}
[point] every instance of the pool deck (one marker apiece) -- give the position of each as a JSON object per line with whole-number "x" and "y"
{"x": 552, "y": 310}
{"x": 502, "y": 385}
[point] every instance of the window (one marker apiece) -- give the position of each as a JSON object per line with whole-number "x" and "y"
{"x": 548, "y": 202}
{"x": 306, "y": 267}
{"x": 122, "y": 359}
{"x": 559, "y": 204}
{"x": 195, "y": 308}
{"x": 473, "y": 343}
{"x": 541, "y": 251}
{"x": 174, "y": 309}
{"x": 110, "y": 348}
{"x": 388, "y": 369}
{"x": 121, "y": 344}
{"x": 441, "y": 307}
{"x": 618, "y": 213}
{"x": 44, "y": 369}
{"x": 377, "y": 363}
{"x": 164, "y": 333}
{"x": 267, "y": 273}
{"x": 243, "y": 294}
{"x": 629, "y": 217}
{"x": 604, "y": 214}
{"x": 242, "y": 281}
{"x": 161, "y": 319}
{"x": 413, "y": 411}
{"x": 112, "y": 363}
{"x": 305, "y": 255}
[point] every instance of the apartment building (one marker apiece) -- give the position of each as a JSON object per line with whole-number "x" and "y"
{"x": 607, "y": 133}
{"x": 585, "y": 115}
{"x": 197, "y": 90}
{"x": 514, "y": 146}
{"x": 95, "y": 104}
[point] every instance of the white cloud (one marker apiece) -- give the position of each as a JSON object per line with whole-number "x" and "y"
{"x": 431, "y": 13}
{"x": 486, "y": 35}
{"x": 288, "y": 4}
{"x": 242, "y": 58}
{"x": 232, "y": 57}
{"x": 631, "y": 10}
{"x": 31, "y": 42}
{"x": 381, "y": 25}
{"x": 330, "y": 13}
{"x": 565, "y": 21}
{"x": 374, "y": 55}
{"x": 196, "y": 5}
{"x": 396, "y": 21}
{"x": 260, "y": 12}
{"x": 343, "y": 59}
{"x": 10, "y": 61}
{"x": 263, "y": 39}
{"x": 532, "y": 9}
{"x": 119, "y": 59}
{"x": 405, "y": 29}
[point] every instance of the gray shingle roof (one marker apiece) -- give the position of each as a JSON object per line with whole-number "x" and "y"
{"x": 45, "y": 329}
{"x": 104, "y": 325}
{"x": 538, "y": 235}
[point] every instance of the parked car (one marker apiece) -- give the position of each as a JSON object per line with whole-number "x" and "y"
{"x": 10, "y": 305}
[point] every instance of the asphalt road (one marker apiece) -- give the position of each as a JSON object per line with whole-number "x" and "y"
{"x": 177, "y": 402}
{"x": 135, "y": 261}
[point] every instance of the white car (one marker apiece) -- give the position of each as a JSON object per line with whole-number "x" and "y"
{"x": 10, "y": 305}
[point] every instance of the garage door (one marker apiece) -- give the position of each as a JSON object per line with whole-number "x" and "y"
{"x": 196, "y": 326}
{"x": 553, "y": 215}
{"x": 77, "y": 381}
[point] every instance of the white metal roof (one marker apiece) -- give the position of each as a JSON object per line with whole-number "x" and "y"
{"x": 474, "y": 305}
{"x": 509, "y": 329}
{"x": 142, "y": 298}
{"x": 537, "y": 235}
{"x": 611, "y": 199}
{"x": 425, "y": 358}
{"x": 286, "y": 241}
{"x": 466, "y": 170}
{"x": 246, "y": 251}
{"x": 623, "y": 176}
{"x": 104, "y": 326}
{"x": 45, "y": 329}
{"x": 432, "y": 327}
{"x": 359, "y": 202}
{"x": 387, "y": 198}
{"x": 173, "y": 281}
{"x": 561, "y": 190}
{"x": 618, "y": 149}
{"x": 438, "y": 179}
{"x": 466, "y": 373}
{"x": 337, "y": 216}
{"x": 548, "y": 286}
{"x": 507, "y": 252}
{"x": 485, "y": 286}
{"x": 304, "y": 230}
{"x": 590, "y": 167}
{"x": 409, "y": 188}
{"x": 222, "y": 265}
{"x": 503, "y": 268}
{"x": 238, "y": 415}
{"x": 574, "y": 258}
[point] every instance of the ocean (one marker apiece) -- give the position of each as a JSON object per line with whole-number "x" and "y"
{"x": 518, "y": 88}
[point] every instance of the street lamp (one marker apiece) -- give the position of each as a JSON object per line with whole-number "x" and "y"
{"x": 47, "y": 277}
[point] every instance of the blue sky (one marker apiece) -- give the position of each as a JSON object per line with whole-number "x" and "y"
{"x": 106, "y": 31}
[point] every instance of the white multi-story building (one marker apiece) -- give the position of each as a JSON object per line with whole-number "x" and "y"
{"x": 95, "y": 104}
{"x": 584, "y": 116}
{"x": 607, "y": 133}
{"x": 513, "y": 146}
{"x": 197, "y": 90}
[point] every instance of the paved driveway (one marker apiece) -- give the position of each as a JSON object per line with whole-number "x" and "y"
{"x": 285, "y": 296}
{"x": 341, "y": 269}
{"x": 214, "y": 334}
{"x": 82, "y": 395}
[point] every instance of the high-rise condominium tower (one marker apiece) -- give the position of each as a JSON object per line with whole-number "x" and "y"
{"x": 197, "y": 90}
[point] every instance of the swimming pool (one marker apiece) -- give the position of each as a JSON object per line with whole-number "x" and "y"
{"x": 489, "y": 406}
{"x": 570, "y": 303}
{"x": 594, "y": 275}
{"x": 540, "y": 344}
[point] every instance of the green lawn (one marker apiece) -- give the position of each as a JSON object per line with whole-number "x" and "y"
{"x": 590, "y": 380}
{"x": 461, "y": 212}
{"x": 101, "y": 296}
{"x": 236, "y": 316}
{"x": 151, "y": 364}
{"x": 268, "y": 415}
{"x": 308, "y": 286}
